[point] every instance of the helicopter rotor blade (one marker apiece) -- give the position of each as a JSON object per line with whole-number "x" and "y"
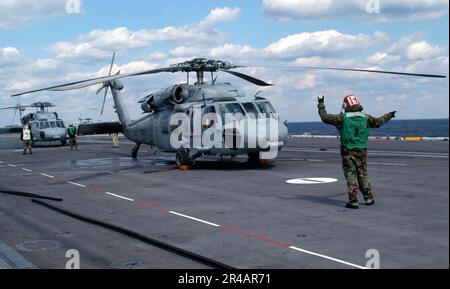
{"x": 104, "y": 100}
{"x": 93, "y": 81}
{"x": 15, "y": 113}
{"x": 247, "y": 78}
{"x": 360, "y": 70}
{"x": 105, "y": 85}
{"x": 11, "y": 107}
{"x": 112, "y": 63}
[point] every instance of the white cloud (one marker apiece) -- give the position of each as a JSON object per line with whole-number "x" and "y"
{"x": 233, "y": 50}
{"x": 15, "y": 13}
{"x": 414, "y": 47}
{"x": 329, "y": 42}
{"x": 99, "y": 43}
{"x": 422, "y": 50}
{"x": 46, "y": 64}
{"x": 390, "y": 10}
{"x": 220, "y": 15}
{"x": 81, "y": 52}
{"x": 9, "y": 55}
{"x": 381, "y": 58}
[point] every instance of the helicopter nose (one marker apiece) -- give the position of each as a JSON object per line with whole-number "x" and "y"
{"x": 283, "y": 131}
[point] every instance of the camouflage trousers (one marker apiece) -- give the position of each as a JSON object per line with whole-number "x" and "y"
{"x": 27, "y": 146}
{"x": 354, "y": 163}
{"x": 73, "y": 142}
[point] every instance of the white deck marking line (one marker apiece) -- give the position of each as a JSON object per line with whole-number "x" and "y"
{"x": 119, "y": 196}
{"x": 48, "y": 176}
{"x": 27, "y": 170}
{"x": 327, "y": 257}
{"x": 387, "y": 164}
{"x": 195, "y": 219}
{"x": 10, "y": 165}
{"x": 382, "y": 153}
{"x": 76, "y": 184}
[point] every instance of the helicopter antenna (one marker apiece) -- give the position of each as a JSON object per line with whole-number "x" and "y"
{"x": 258, "y": 93}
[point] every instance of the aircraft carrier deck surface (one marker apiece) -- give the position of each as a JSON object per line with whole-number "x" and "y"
{"x": 241, "y": 215}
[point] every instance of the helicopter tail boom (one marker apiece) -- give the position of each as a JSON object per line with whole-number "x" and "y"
{"x": 119, "y": 105}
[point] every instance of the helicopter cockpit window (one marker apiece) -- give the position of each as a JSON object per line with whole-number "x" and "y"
{"x": 52, "y": 124}
{"x": 233, "y": 110}
{"x": 266, "y": 108}
{"x": 60, "y": 124}
{"x": 251, "y": 109}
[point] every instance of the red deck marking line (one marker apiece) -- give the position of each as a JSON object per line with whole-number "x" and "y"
{"x": 261, "y": 238}
{"x": 151, "y": 205}
{"x": 96, "y": 189}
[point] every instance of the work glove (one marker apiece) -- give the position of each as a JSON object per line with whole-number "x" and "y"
{"x": 321, "y": 99}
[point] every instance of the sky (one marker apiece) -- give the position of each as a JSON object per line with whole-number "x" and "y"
{"x": 49, "y": 42}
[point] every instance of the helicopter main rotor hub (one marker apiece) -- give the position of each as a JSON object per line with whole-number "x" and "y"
{"x": 201, "y": 64}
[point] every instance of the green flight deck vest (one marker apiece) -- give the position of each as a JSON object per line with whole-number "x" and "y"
{"x": 355, "y": 130}
{"x": 72, "y": 131}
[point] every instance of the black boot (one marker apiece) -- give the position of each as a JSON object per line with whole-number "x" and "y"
{"x": 352, "y": 205}
{"x": 370, "y": 202}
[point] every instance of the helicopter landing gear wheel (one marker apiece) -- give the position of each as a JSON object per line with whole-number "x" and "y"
{"x": 63, "y": 143}
{"x": 253, "y": 158}
{"x": 135, "y": 150}
{"x": 182, "y": 158}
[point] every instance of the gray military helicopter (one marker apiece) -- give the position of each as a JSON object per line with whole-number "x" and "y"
{"x": 12, "y": 128}
{"x": 46, "y": 127}
{"x": 156, "y": 127}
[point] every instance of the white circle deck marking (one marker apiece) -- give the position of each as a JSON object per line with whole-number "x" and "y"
{"x": 311, "y": 181}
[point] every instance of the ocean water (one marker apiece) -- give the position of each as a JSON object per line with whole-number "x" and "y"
{"x": 395, "y": 128}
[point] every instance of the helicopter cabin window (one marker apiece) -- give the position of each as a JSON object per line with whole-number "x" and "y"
{"x": 52, "y": 124}
{"x": 231, "y": 109}
{"x": 208, "y": 119}
{"x": 44, "y": 125}
{"x": 252, "y": 112}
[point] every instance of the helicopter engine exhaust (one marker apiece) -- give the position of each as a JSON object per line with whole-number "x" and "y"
{"x": 152, "y": 102}
{"x": 179, "y": 94}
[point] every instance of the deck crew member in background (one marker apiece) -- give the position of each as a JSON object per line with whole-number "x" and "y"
{"x": 353, "y": 126}
{"x": 72, "y": 132}
{"x": 27, "y": 138}
{"x": 115, "y": 139}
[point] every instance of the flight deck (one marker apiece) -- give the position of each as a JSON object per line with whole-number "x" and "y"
{"x": 288, "y": 213}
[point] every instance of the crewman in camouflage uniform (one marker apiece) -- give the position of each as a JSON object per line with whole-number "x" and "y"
{"x": 353, "y": 126}
{"x": 72, "y": 132}
{"x": 27, "y": 138}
